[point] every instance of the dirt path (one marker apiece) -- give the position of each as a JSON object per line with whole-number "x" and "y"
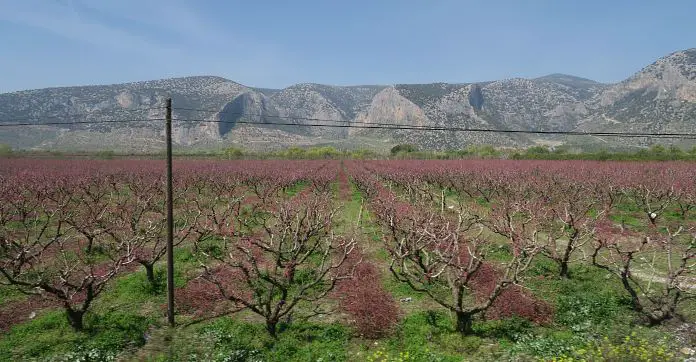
{"x": 20, "y": 311}
{"x": 684, "y": 283}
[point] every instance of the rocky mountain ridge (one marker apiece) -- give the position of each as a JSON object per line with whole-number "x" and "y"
{"x": 208, "y": 110}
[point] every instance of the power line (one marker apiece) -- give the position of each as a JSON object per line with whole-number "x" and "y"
{"x": 365, "y": 125}
{"x": 377, "y": 125}
{"x": 79, "y": 114}
{"x": 80, "y": 122}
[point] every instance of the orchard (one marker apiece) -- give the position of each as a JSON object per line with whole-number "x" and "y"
{"x": 348, "y": 260}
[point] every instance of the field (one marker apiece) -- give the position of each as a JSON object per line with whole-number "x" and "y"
{"x": 329, "y": 260}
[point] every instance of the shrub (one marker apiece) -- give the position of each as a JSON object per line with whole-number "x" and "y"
{"x": 515, "y": 302}
{"x": 373, "y": 311}
{"x": 512, "y": 301}
{"x": 233, "y": 153}
{"x": 403, "y": 149}
{"x": 200, "y": 297}
{"x": 106, "y": 155}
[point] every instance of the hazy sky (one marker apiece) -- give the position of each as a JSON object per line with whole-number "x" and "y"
{"x": 277, "y": 43}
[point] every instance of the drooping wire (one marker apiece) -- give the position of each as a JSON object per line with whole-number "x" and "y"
{"x": 80, "y": 122}
{"x": 80, "y": 115}
{"x": 343, "y": 124}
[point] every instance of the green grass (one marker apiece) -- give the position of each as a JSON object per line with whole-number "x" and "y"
{"x": 227, "y": 339}
{"x": 116, "y": 322}
{"x": 10, "y": 294}
{"x": 401, "y": 290}
{"x": 50, "y": 336}
{"x": 589, "y": 305}
{"x": 628, "y": 220}
{"x": 350, "y": 209}
{"x": 296, "y": 188}
{"x": 134, "y": 293}
{"x": 429, "y": 336}
{"x": 368, "y": 228}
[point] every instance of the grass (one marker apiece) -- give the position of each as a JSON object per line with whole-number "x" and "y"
{"x": 428, "y": 336}
{"x": 296, "y": 188}
{"x": 117, "y": 323}
{"x": 133, "y": 292}
{"x": 49, "y": 335}
{"x": 9, "y": 294}
{"x": 228, "y": 339}
{"x": 366, "y": 228}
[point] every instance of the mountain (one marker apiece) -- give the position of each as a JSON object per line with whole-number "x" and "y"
{"x": 212, "y": 112}
{"x": 659, "y": 98}
{"x": 116, "y": 105}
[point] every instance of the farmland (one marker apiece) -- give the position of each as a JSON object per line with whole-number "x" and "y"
{"x": 348, "y": 260}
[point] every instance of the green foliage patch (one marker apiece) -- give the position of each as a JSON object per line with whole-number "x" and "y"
{"x": 227, "y": 339}
{"x": 50, "y": 336}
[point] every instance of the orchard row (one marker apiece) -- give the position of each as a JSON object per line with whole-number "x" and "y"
{"x": 265, "y": 235}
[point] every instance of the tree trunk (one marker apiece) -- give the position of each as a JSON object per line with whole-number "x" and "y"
{"x": 635, "y": 301}
{"x": 564, "y": 272}
{"x": 150, "y": 270}
{"x": 464, "y": 323}
{"x": 271, "y": 327}
{"x": 75, "y": 318}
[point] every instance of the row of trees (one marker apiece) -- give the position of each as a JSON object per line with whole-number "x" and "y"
{"x": 299, "y": 153}
{"x": 464, "y": 233}
{"x": 65, "y": 233}
{"x": 656, "y": 152}
{"x": 566, "y": 211}
{"x": 66, "y": 241}
{"x": 447, "y": 256}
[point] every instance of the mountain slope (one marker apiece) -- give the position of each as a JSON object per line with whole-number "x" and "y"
{"x": 116, "y": 103}
{"x": 659, "y": 98}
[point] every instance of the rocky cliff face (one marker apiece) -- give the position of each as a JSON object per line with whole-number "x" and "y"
{"x": 476, "y": 97}
{"x": 117, "y": 105}
{"x": 659, "y": 98}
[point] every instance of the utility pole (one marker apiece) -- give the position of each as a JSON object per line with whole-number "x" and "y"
{"x": 170, "y": 219}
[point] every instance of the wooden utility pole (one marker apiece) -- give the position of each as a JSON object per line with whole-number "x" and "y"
{"x": 170, "y": 219}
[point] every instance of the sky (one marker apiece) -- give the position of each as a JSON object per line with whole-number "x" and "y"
{"x": 273, "y": 44}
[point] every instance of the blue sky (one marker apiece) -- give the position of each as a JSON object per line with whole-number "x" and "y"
{"x": 277, "y": 43}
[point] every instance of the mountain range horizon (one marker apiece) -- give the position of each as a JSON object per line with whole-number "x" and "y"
{"x": 661, "y": 97}
{"x": 204, "y": 75}
{"x": 553, "y": 74}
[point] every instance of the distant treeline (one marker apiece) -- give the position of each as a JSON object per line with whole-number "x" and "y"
{"x": 402, "y": 151}
{"x": 653, "y": 153}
